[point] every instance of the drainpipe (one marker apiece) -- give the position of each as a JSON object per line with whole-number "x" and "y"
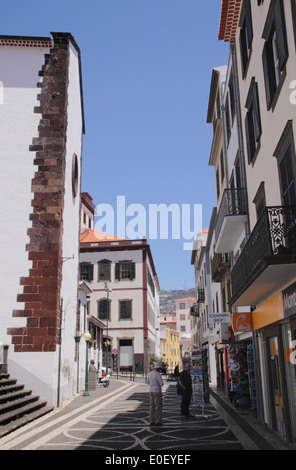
{"x": 60, "y": 352}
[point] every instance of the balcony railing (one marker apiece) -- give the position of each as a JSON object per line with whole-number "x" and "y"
{"x": 200, "y": 295}
{"x": 233, "y": 203}
{"x": 273, "y": 237}
{"x": 220, "y": 266}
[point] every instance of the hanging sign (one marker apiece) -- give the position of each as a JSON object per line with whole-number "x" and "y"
{"x": 222, "y": 317}
{"x": 242, "y": 322}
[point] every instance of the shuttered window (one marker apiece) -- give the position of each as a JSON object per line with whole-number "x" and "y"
{"x": 125, "y": 309}
{"x": 275, "y": 51}
{"x": 253, "y": 122}
{"x": 86, "y": 272}
{"x": 125, "y": 270}
{"x": 246, "y": 36}
{"x": 104, "y": 270}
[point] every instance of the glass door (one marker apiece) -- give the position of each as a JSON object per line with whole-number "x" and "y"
{"x": 275, "y": 380}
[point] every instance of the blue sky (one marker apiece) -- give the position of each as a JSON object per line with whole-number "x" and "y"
{"x": 146, "y": 67}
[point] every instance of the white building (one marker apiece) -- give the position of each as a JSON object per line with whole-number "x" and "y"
{"x": 263, "y": 36}
{"x": 42, "y": 125}
{"x": 183, "y": 307}
{"x": 125, "y": 296}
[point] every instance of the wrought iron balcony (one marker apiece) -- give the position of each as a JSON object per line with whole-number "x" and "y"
{"x": 272, "y": 245}
{"x": 200, "y": 295}
{"x": 231, "y": 219}
{"x": 220, "y": 266}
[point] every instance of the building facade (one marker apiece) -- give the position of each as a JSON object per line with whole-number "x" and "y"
{"x": 256, "y": 216}
{"x": 125, "y": 296}
{"x": 42, "y": 125}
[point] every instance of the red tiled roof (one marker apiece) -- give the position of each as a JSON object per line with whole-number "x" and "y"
{"x": 91, "y": 236}
{"x": 229, "y": 19}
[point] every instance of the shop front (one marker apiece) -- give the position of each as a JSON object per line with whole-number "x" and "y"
{"x": 242, "y": 377}
{"x": 275, "y": 322}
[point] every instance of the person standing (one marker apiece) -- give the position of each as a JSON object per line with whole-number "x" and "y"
{"x": 155, "y": 395}
{"x": 185, "y": 383}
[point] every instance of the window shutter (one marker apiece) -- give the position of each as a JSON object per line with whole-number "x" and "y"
{"x": 257, "y": 118}
{"x": 90, "y": 272}
{"x": 117, "y": 271}
{"x": 133, "y": 270}
{"x": 266, "y": 76}
{"x": 248, "y": 138}
{"x": 280, "y": 26}
{"x": 243, "y": 51}
{"x": 249, "y": 24}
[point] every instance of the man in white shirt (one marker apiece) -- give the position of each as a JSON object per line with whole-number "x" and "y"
{"x": 155, "y": 395}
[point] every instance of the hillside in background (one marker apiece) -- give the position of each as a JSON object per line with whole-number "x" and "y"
{"x": 167, "y": 297}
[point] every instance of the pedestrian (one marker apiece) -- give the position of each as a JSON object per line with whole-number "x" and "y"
{"x": 155, "y": 395}
{"x": 185, "y": 383}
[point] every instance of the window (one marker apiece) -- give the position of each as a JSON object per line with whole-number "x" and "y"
{"x": 275, "y": 52}
{"x": 125, "y": 270}
{"x": 293, "y": 7}
{"x": 285, "y": 154}
{"x": 259, "y": 200}
{"x": 253, "y": 122}
{"x": 182, "y": 317}
{"x": 86, "y": 272}
{"x": 104, "y": 270}
{"x": 217, "y": 183}
{"x": 182, "y": 306}
{"x": 232, "y": 99}
{"x": 246, "y": 36}
{"x": 227, "y": 118}
{"x": 104, "y": 309}
{"x": 125, "y": 310}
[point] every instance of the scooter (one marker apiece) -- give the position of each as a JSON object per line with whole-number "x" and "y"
{"x": 104, "y": 381}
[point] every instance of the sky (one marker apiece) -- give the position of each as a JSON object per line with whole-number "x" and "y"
{"x": 146, "y": 74}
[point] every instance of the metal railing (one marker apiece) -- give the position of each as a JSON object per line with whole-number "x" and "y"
{"x": 273, "y": 235}
{"x": 233, "y": 203}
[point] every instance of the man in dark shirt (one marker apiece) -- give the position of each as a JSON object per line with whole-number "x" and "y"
{"x": 186, "y": 385}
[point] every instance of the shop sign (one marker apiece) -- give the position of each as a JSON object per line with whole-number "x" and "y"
{"x": 242, "y": 322}
{"x": 222, "y": 317}
{"x": 289, "y": 298}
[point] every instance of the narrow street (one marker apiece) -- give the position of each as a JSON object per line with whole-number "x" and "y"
{"x": 117, "y": 419}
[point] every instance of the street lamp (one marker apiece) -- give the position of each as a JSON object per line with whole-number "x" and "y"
{"x": 87, "y": 337}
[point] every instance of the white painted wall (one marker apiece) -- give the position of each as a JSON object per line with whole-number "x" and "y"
{"x": 19, "y": 67}
{"x": 273, "y": 123}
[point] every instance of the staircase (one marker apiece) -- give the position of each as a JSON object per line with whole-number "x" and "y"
{"x": 17, "y": 405}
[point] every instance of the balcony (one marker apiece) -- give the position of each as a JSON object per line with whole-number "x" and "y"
{"x": 200, "y": 294}
{"x": 231, "y": 219}
{"x": 267, "y": 263}
{"x": 220, "y": 266}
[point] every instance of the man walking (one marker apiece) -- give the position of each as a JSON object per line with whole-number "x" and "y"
{"x": 155, "y": 395}
{"x": 186, "y": 386}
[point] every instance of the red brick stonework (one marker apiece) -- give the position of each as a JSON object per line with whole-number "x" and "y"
{"x": 41, "y": 289}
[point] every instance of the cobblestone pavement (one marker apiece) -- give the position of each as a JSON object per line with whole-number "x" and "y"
{"x": 117, "y": 419}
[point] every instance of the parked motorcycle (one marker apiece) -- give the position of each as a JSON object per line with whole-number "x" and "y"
{"x": 104, "y": 381}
